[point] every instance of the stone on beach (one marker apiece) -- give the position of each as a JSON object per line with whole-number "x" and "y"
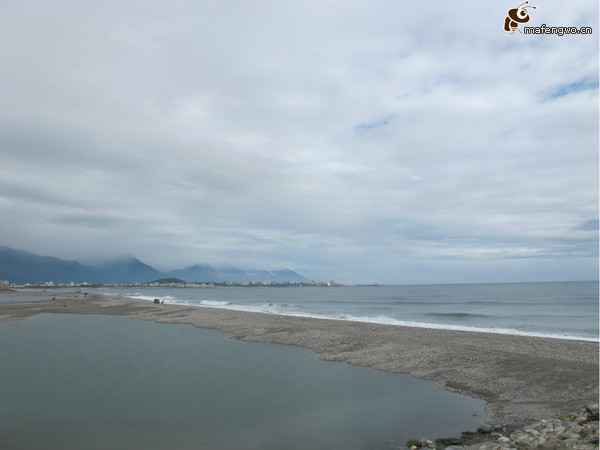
{"x": 577, "y": 429}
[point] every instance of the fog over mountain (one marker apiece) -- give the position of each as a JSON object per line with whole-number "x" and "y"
{"x": 19, "y": 266}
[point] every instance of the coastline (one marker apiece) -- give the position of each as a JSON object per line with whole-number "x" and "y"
{"x": 522, "y": 379}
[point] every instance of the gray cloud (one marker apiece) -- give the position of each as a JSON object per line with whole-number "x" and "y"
{"x": 370, "y": 142}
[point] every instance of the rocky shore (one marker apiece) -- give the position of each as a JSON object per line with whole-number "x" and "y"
{"x": 578, "y": 430}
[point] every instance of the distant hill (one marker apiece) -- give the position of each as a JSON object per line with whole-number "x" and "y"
{"x": 19, "y": 266}
{"x": 197, "y": 272}
{"x": 288, "y": 275}
{"x": 168, "y": 281}
{"x": 128, "y": 270}
{"x": 204, "y": 272}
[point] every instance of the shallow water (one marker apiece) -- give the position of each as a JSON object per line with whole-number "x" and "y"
{"x": 76, "y": 381}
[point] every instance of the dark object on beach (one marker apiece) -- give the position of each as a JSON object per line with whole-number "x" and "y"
{"x": 156, "y": 301}
{"x": 421, "y": 443}
{"x": 592, "y": 413}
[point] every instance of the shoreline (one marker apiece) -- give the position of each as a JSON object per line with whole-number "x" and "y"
{"x": 384, "y": 320}
{"x": 427, "y": 326}
{"x": 522, "y": 378}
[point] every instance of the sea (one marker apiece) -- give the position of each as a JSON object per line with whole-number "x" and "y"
{"x": 563, "y": 310}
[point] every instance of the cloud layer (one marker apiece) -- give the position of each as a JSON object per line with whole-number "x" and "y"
{"x": 361, "y": 141}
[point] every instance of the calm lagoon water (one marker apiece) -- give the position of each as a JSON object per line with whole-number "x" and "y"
{"x": 77, "y": 382}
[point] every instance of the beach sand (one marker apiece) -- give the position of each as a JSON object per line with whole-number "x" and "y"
{"x": 522, "y": 379}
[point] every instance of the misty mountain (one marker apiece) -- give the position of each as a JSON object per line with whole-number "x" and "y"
{"x": 197, "y": 272}
{"x": 19, "y": 266}
{"x": 205, "y": 272}
{"x": 128, "y": 270}
{"x": 288, "y": 275}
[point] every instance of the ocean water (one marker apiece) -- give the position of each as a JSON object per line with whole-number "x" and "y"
{"x": 99, "y": 382}
{"x": 567, "y": 310}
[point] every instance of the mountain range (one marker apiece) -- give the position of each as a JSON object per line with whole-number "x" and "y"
{"x": 20, "y": 266}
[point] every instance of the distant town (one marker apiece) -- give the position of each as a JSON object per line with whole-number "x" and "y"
{"x": 24, "y": 269}
{"x": 171, "y": 283}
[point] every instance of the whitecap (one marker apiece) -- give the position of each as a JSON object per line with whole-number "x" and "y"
{"x": 214, "y": 303}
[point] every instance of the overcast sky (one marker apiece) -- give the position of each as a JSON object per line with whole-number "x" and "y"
{"x": 362, "y": 141}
